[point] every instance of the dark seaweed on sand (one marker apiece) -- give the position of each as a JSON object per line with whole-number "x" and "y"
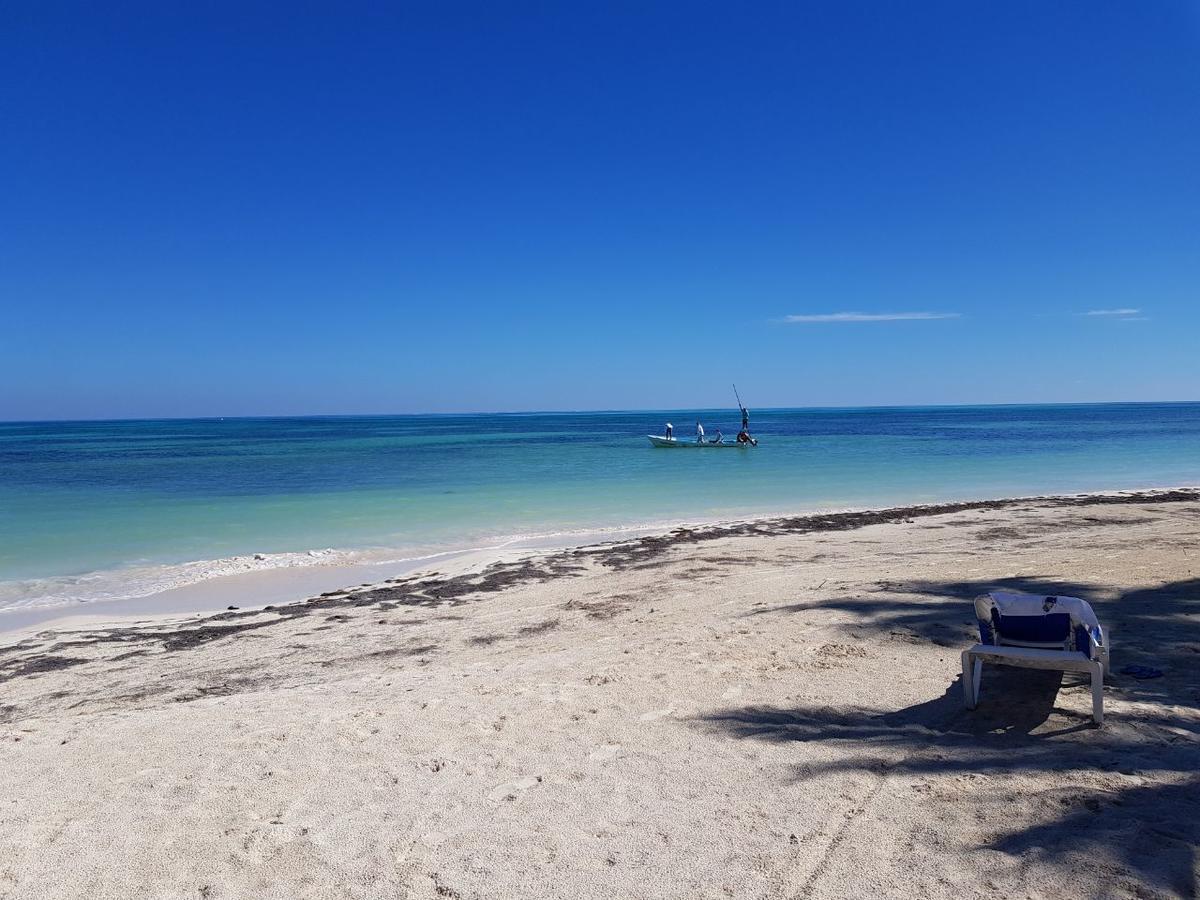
{"x": 32, "y": 657}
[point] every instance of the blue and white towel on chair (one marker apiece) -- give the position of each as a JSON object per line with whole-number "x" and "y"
{"x": 1030, "y": 620}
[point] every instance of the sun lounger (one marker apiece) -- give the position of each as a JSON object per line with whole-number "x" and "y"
{"x": 1039, "y": 633}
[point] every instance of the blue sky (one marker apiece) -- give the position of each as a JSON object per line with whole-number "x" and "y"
{"x": 248, "y": 209}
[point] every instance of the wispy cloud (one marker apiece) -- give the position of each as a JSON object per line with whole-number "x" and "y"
{"x": 870, "y": 317}
{"x": 1112, "y": 312}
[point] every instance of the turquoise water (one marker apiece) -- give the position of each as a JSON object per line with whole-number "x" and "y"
{"x": 84, "y": 505}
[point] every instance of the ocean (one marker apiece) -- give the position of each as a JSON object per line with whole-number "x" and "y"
{"x": 94, "y": 511}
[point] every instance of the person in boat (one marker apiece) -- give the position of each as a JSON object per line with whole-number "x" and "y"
{"x": 744, "y": 435}
{"x": 699, "y": 433}
{"x": 670, "y": 432}
{"x": 744, "y": 438}
{"x": 719, "y": 439}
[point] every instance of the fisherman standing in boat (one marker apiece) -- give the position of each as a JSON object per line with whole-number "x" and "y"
{"x": 699, "y": 433}
{"x": 670, "y": 432}
{"x": 743, "y": 436}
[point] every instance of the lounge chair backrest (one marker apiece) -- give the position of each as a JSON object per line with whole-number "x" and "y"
{"x": 1032, "y": 620}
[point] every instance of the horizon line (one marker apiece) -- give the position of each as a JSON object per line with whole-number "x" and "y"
{"x": 565, "y": 412}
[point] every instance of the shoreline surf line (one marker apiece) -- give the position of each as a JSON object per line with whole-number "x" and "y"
{"x": 144, "y": 582}
{"x": 487, "y": 576}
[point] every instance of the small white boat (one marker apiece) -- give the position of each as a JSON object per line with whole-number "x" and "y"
{"x": 660, "y": 441}
{"x": 701, "y": 443}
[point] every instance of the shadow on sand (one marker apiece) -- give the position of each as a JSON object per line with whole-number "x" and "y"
{"x": 1130, "y": 795}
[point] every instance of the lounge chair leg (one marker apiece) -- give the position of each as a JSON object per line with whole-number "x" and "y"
{"x": 1097, "y": 691}
{"x": 970, "y": 694}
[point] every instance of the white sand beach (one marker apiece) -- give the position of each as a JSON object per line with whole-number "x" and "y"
{"x": 770, "y": 710}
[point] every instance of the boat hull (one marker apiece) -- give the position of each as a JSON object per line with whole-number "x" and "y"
{"x": 676, "y": 444}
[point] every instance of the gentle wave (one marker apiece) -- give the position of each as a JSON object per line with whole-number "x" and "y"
{"x": 134, "y": 582}
{"x": 142, "y": 581}
{"x": 138, "y": 581}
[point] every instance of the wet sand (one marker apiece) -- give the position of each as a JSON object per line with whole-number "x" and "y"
{"x": 767, "y": 709}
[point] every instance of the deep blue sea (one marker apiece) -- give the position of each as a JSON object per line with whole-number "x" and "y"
{"x": 93, "y": 510}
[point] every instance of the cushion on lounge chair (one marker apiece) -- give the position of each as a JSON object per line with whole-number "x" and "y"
{"x": 1028, "y": 620}
{"x": 1051, "y": 628}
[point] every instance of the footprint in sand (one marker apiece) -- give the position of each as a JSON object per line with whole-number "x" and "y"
{"x": 605, "y": 753}
{"x": 656, "y": 714}
{"x": 511, "y": 790}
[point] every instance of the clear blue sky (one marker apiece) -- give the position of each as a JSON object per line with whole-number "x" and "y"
{"x": 233, "y": 209}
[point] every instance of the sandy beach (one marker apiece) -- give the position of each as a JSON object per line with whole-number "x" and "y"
{"x": 770, "y": 709}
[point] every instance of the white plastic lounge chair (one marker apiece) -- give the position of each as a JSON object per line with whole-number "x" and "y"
{"x": 1040, "y": 633}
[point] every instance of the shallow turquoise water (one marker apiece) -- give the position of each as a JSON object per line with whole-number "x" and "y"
{"x": 82, "y": 497}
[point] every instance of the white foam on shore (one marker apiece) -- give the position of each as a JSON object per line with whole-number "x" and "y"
{"x": 131, "y": 582}
{"x": 94, "y": 592}
{"x": 143, "y": 581}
